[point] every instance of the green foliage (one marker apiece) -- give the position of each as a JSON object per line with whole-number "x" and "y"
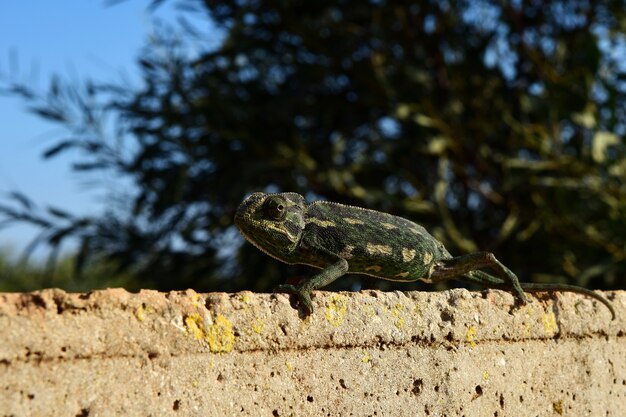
{"x": 18, "y": 275}
{"x": 497, "y": 127}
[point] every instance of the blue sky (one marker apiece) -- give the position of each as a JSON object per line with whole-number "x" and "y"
{"x": 77, "y": 40}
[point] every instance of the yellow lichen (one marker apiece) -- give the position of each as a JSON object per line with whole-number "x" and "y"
{"x": 557, "y": 407}
{"x": 195, "y": 300}
{"x": 195, "y": 325}
{"x": 527, "y": 328}
{"x": 471, "y": 334}
{"x": 220, "y": 335}
{"x": 366, "y": 357}
{"x": 289, "y": 366}
{"x": 417, "y": 310}
{"x": 257, "y": 326}
{"x": 245, "y": 298}
{"x": 369, "y": 310}
{"x": 396, "y": 315}
{"x": 336, "y": 310}
{"x": 486, "y": 376}
{"x": 549, "y": 322}
{"x": 140, "y": 313}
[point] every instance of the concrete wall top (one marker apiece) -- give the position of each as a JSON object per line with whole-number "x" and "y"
{"x": 454, "y": 352}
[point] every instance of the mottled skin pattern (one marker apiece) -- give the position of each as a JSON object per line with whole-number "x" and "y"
{"x": 342, "y": 239}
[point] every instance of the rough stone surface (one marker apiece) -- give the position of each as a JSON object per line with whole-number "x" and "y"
{"x": 449, "y": 353}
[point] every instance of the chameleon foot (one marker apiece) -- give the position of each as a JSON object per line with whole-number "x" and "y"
{"x": 303, "y": 296}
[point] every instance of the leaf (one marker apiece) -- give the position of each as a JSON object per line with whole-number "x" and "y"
{"x": 50, "y": 114}
{"x": 586, "y": 118}
{"x": 22, "y": 199}
{"x": 50, "y": 152}
{"x": 602, "y": 140}
{"x": 59, "y": 213}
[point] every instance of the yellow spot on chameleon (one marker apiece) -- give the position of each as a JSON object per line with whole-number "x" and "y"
{"x": 408, "y": 254}
{"x": 336, "y": 310}
{"x": 346, "y": 252}
{"x": 374, "y": 249}
{"x": 220, "y": 335}
{"x": 373, "y": 268}
{"x": 389, "y": 226}
{"x": 280, "y": 229}
{"x": 471, "y": 334}
{"x": 417, "y": 232}
{"x": 549, "y": 322}
{"x": 401, "y": 275}
{"x": 428, "y": 257}
{"x": 351, "y": 220}
{"x": 321, "y": 223}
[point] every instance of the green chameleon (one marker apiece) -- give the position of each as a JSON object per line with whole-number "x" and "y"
{"x": 342, "y": 239}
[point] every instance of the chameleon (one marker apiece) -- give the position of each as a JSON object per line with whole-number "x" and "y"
{"x": 341, "y": 239}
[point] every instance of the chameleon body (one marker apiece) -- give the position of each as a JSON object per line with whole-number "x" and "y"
{"x": 342, "y": 239}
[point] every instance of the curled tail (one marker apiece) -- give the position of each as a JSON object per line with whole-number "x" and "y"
{"x": 490, "y": 281}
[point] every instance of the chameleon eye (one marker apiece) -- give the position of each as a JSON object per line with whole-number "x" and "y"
{"x": 274, "y": 208}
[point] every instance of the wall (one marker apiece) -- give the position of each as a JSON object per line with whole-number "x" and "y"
{"x": 449, "y": 353}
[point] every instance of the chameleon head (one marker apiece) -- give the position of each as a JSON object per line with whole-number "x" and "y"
{"x": 272, "y": 222}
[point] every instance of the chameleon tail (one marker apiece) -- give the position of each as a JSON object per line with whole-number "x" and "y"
{"x": 480, "y": 277}
{"x": 532, "y": 287}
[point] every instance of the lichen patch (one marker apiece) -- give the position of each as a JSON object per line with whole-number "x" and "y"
{"x": 220, "y": 335}
{"x": 336, "y": 310}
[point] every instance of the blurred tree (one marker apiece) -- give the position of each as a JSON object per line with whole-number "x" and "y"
{"x": 497, "y": 125}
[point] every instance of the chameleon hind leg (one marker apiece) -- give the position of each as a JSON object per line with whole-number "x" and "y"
{"x": 468, "y": 265}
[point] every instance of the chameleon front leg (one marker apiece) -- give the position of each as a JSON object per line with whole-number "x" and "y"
{"x": 468, "y": 265}
{"x": 337, "y": 267}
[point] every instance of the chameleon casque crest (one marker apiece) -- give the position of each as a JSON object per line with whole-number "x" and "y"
{"x": 342, "y": 239}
